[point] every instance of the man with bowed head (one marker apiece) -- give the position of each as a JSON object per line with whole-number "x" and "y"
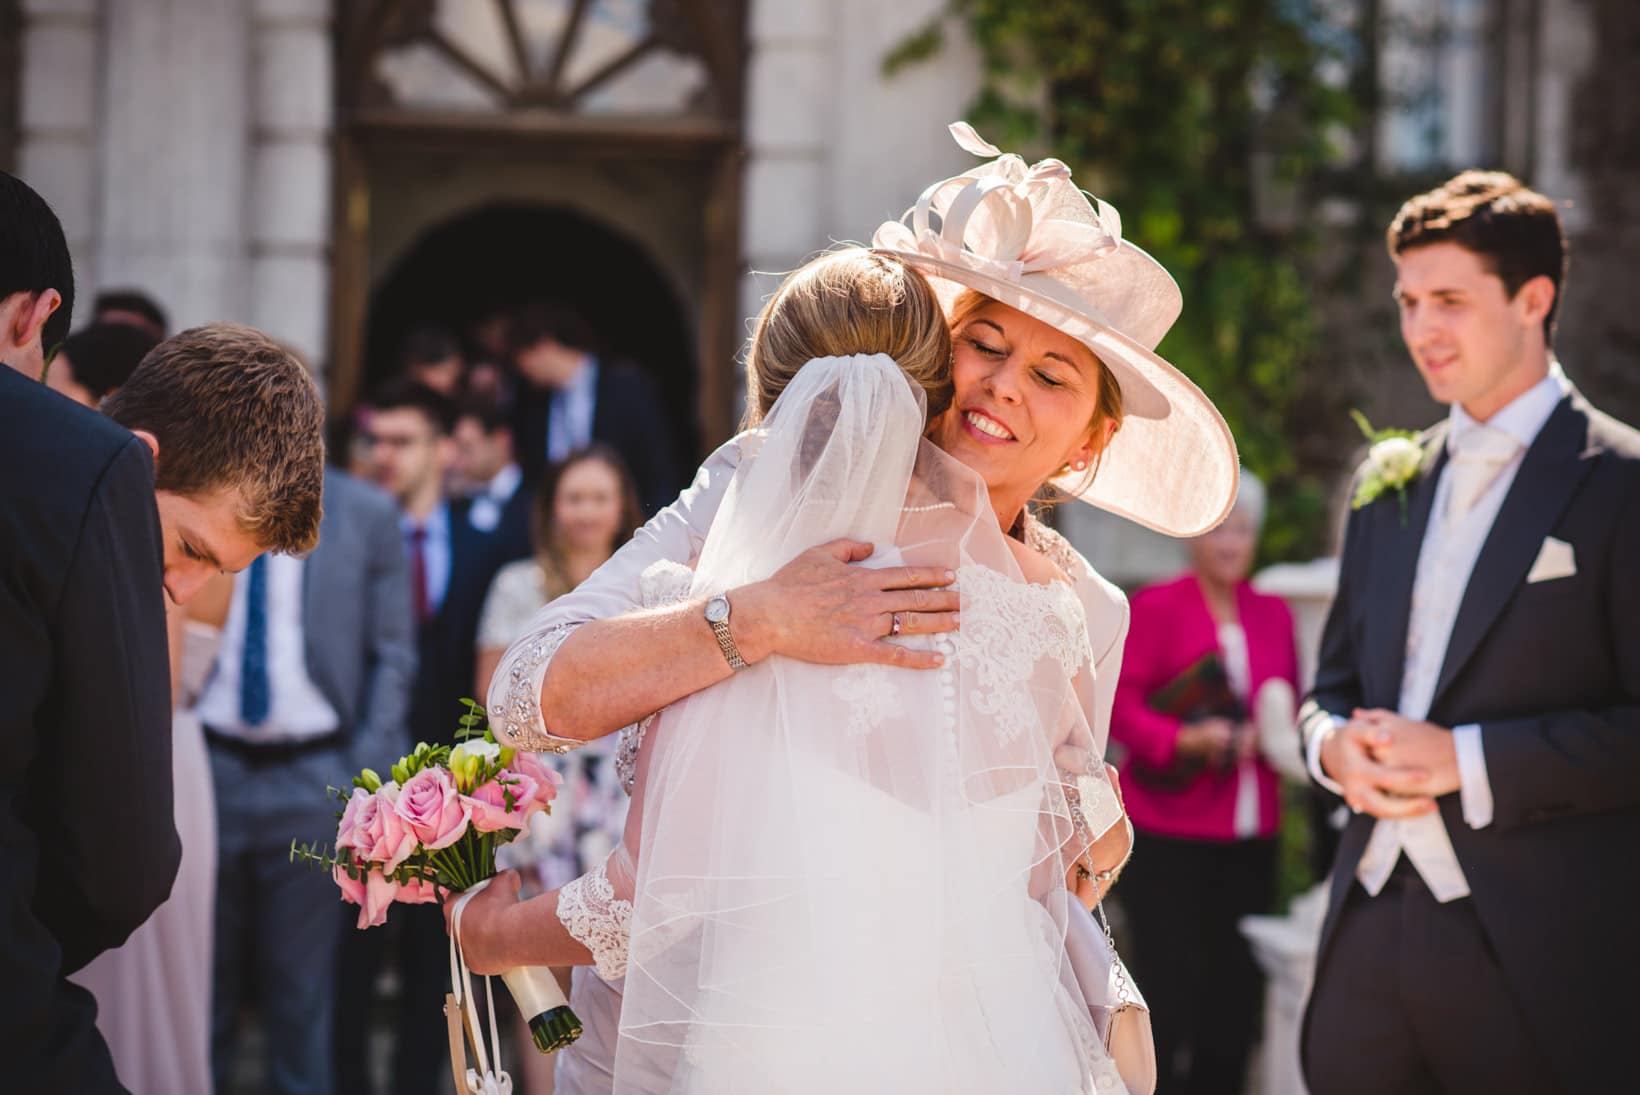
{"x": 1477, "y": 699}
{"x": 97, "y": 515}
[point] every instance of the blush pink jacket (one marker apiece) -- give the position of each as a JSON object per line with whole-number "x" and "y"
{"x": 1171, "y": 628}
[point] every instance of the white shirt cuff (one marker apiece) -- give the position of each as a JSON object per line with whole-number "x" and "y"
{"x": 1474, "y": 788}
{"x": 1312, "y": 759}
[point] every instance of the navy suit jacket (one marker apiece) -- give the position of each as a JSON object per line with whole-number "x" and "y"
{"x": 88, "y": 840}
{"x": 627, "y": 415}
{"x": 1550, "y": 671}
{"x": 446, "y": 643}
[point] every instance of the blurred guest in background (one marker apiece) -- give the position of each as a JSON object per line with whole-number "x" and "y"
{"x": 484, "y": 471}
{"x": 312, "y": 683}
{"x": 450, "y": 565}
{"x": 133, "y": 308}
{"x": 1205, "y": 804}
{"x": 585, "y": 508}
{"x": 95, "y": 360}
{"x": 570, "y": 396}
{"x": 432, "y": 358}
{"x": 489, "y": 356}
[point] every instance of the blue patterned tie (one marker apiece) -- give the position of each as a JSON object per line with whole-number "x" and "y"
{"x": 254, "y": 694}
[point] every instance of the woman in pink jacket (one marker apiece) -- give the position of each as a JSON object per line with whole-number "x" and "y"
{"x": 1203, "y": 800}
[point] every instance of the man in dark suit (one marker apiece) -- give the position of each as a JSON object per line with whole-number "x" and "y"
{"x": 571, "y": 396}
{"x": 311, "y": 684}
{"x": 449, "y": 566}
{"x": 499, "y": 503}
{"x": 85, "y": 693}
{"x": 1477, "y": 700}
{"x": 93, "y": 523}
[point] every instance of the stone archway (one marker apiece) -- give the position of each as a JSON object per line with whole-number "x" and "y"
{"x": 629, "y": 114}
{"x": 505, "y": 254}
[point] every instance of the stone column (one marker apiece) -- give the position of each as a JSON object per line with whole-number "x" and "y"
{"x": 786, "y": 210}
{"x": 174, "y": 140}
{"x": 57, "y": 153}
{"x": 288, "y": 230}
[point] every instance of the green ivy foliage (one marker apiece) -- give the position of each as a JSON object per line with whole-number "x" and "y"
{"x": 1208, "y": 124}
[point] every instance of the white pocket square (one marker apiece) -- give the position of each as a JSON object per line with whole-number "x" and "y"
{"x": 1555, "y": 560}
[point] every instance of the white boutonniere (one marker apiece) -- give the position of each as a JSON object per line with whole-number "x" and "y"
{"x": 1393, "y": 462}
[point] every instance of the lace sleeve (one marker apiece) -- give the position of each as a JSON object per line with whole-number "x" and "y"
{"x": 598, "y": 920}
{"x": 675, "y": 534}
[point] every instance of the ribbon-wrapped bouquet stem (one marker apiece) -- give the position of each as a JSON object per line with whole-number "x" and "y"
{"x": 431, "y": 830}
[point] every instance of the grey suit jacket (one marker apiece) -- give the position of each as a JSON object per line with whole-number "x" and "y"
{"x": 361, "y": 647}
{"x": 360, "y": 655}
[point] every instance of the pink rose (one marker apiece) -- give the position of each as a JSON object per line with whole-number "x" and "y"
{"x": 373, "y": 830}
{"x": 379, "y": 892}
{"x": 547, "y": 779}
{"x": 432, "y": 809}
{"x": 417, "y": 891}
{"x": 358, "y": 814}
{"x": 352, "y": 888}
{"x": 488, "y": 804}
{"x": 391, "y": 839}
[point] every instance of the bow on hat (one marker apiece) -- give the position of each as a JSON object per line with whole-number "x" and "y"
{"x": 988, "y": 218}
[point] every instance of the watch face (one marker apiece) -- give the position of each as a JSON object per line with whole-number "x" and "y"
{"x": 717, "y": 609}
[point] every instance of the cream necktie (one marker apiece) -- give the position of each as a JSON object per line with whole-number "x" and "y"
{"x": 1479, "y": 455}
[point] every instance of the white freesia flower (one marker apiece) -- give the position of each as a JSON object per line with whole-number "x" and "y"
{"x": 484, "y": 751}
{"x": 1395, "y": 459}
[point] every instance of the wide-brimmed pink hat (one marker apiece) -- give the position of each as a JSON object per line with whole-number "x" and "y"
{"x": 1027, "y": 237}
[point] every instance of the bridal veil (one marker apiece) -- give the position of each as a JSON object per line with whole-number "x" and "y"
{"x": 852, "y": 878}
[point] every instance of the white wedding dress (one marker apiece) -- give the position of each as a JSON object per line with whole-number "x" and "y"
{"x": 852, "y": 879}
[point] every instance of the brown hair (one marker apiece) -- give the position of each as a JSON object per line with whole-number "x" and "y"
{"x": 233, "y": 409}
{"x": 1514, "y": 230}
{"x": 1109, "y": 395}
{"x": 543, "y": 528}
{"x": 847, "y": 302}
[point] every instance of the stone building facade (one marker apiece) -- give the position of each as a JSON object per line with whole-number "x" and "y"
{"x": 303, "y": 165}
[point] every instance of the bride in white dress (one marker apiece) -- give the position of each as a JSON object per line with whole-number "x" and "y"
{"x": 854, "y": 880}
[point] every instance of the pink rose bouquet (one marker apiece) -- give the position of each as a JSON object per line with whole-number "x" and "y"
{"x": 433, "y": 829}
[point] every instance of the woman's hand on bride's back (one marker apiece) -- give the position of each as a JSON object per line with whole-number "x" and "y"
{"x": 817, "y": 608}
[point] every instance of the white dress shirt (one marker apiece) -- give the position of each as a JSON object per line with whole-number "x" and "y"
{"x": 299, "y": 711}
{"x": 569, "y": 415}
{"x": 492, "y": 498}
{"x": 1445, "y": 563}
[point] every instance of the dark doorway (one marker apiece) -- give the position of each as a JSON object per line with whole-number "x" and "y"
{"x": 504, "y": 255}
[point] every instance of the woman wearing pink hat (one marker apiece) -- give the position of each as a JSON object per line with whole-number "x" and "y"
{"x": 1053, "y": 319}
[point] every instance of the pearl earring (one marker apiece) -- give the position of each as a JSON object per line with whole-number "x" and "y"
{"x": 1080, "y": 465}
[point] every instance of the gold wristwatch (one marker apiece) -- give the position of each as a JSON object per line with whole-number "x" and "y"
{"x": 717, "y": 614}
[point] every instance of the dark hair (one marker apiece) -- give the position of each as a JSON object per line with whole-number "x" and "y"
{"x": 134, "y": 301}
{"x": 428, "y": 346}
{"x": 1514, "y": 230}
{"x": 233, "y": 409}
{"x": 556, "y": 321}
{"x": 400, "y": 394}
{"x": 484, "y": 410}
{"x": 104, "y": 355}
{"x": 34, "y": 254}
{"x": 548, "y": 552}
